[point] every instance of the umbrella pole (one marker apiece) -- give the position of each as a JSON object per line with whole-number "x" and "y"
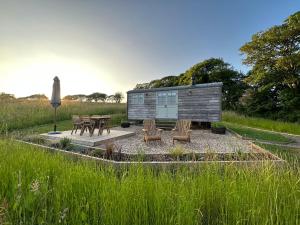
{"x": 55, "y": 119}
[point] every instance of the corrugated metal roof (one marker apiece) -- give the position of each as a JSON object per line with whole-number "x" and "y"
{"x": 216, "y": 84}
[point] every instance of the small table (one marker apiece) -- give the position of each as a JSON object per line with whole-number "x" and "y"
{"x": 101, "y": 122}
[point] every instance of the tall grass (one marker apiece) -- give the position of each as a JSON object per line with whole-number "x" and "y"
{"x": 61, "y": 126}
{"x": 44, "y": 188}
{"x": 267, "y": 124}
{"x": 22, "y": 114}
{"x": 290, "y": 154}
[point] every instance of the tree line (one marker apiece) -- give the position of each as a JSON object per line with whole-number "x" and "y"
{"x": 94, "y": 97}
{"x": 10, "y": 97}
{"x": 272, "y": 86}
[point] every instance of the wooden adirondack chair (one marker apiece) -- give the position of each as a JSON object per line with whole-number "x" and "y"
{"x": 151, "y": 133}
{"x": 76, "y": 123}
{"x": 182, "y": 131}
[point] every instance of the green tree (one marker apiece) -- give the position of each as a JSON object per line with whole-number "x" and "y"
{"x": 97, "y": 97}
{"x": 275, "y": 59}
{"x": 118, "y": 97}
{"x": 78, "y": 97}
{"x": 102, "y": 97}
{"x": 216, "y": 70}
{"x": 35, "y": 97}
{"x": 210, "y": 70}
{"x": 6, "y": 97}
{"x": 142, "y": 86}
{"x": 69, "y": 97}
{"x": 110, "y": 98}
{"x": 204, "y": 71}
{"x": 168, "y": 81}
{"x": 258, "y": 103}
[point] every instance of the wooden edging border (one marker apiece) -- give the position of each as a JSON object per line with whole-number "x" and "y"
{"x": 172, "y": 164}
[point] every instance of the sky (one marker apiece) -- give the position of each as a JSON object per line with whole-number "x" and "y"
{"x": 110, "y": 46}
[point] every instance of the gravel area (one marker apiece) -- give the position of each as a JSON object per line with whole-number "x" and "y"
{"x": 201, "y": 141}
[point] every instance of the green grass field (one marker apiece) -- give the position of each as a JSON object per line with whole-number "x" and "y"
{"x": 23, "y": 114}
{"x": 38, "y": 187}
{"x": 232, "y": 117}
{"x": 256, "y": 134}
{"x": 61, "y": 125}
{"x": 291, "y": 155}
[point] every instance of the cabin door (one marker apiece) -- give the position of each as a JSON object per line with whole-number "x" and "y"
{"x": 167, "y": 105}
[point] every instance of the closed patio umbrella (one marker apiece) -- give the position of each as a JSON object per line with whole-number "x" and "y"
{"x": 55, "y": 99}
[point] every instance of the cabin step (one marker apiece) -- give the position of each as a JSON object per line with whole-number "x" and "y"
{"x": 166, "y": 125}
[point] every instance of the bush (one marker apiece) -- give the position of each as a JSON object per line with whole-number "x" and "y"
{"x": 37, "y": 139}
{"x": 217, "y": 125}
{"x": 177, "y": 152}
{"x": 65, "y": 143}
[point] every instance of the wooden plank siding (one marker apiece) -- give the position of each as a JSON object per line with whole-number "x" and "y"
{"x": 145, "y": 111}
{"x": 202, "y": 102}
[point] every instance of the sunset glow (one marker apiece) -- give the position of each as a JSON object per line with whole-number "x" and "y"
{"x": 34, "y": 75}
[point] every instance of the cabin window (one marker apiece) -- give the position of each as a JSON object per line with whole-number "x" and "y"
{"x": 137, "y": 99}
{"x": 167, "y": 98}
{"x": 172, "y": 98}
{"x": 161, "y": 98}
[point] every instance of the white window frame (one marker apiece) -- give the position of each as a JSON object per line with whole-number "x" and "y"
{"x": 137, "y": 98}
{"x": 161, "y": 98}
{"x": 172, "y": 98}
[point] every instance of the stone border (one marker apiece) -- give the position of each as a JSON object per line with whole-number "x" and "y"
{"x": 166, "y": 164}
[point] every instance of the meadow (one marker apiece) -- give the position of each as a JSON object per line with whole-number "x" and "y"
{"x": 255, "y": 134}
{"x": 23, "y": 114}
{"x": 266, "y": 124}
{"x": 38, "y": 187}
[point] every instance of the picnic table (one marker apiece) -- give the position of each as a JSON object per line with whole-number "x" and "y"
{"x": 102, "y": 123}
{"x": 90, "y": 123}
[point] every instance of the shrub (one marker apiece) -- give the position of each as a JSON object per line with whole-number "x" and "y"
{"x": 37, "y": 139}
{"x": 217, "y": 125}
{"x": 177, "y": 152}
{"x": 65, "y": 143}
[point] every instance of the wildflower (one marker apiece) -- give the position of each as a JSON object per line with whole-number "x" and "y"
{"x": 19, "y": 180}
{"x": 35, "y": 186}
{"x": 63, "y": 215}
{"x": 3, "y": 211}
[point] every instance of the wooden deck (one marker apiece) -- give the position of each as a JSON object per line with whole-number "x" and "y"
{"x": 85, "y": 139}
